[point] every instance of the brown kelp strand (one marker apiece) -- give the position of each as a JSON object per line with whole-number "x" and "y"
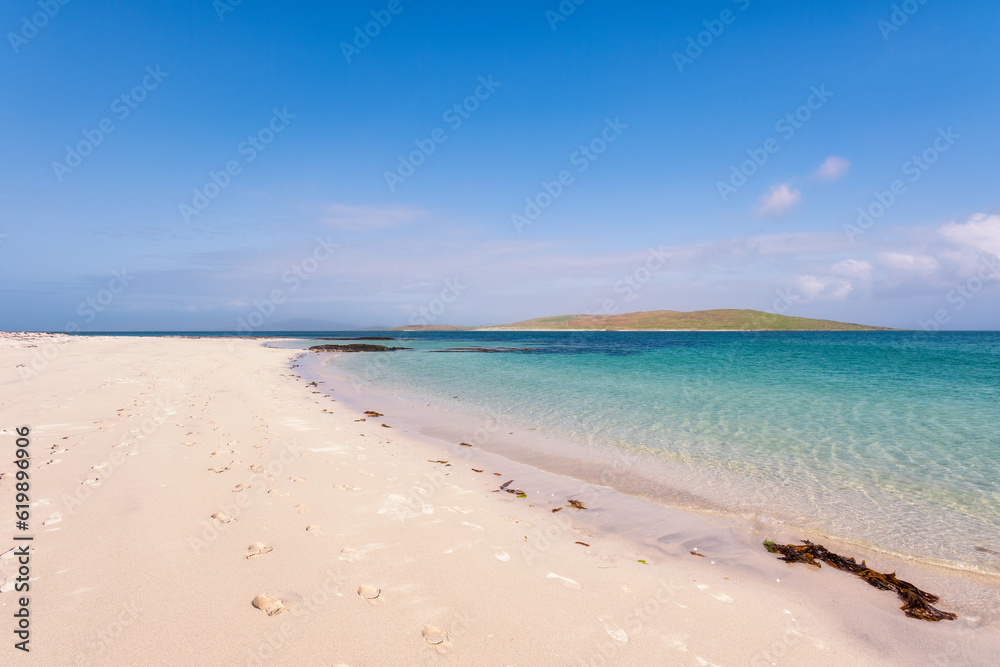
{"x": 916, "y": 603}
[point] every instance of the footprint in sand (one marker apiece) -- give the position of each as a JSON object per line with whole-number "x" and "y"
{"x": 302, "y": 508}
{"x": 614, "y": 632}
{"x": 258, "y": 549}
{"x": 268, "y": 604}
{"x": 369, "y": 592}
{"x": 721, "y": 597}
{"x": 92, "y": 482}
{"x": 256, "y": 468}
{"x": 223, "y": 518}
{"x": 568, "y": 583}
{"x": 500, "y": 554}
{"x": 240, "y": 487}
{"x": 218, "y": 470}
{"x": 434, "y": 635}
{"x": 350, "y": 487}
{"x": 297, "y": 479}
{"x": 314, "y": 529}
{"x": 275, "y": 492}
{"x": 53, "y": 518}
{"x": 349, "y": 555}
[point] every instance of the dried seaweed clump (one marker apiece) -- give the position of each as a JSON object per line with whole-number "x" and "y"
{"x": 917, "y": 603}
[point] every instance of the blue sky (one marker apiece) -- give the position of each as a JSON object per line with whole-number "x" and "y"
{"x": 645, "y": 125}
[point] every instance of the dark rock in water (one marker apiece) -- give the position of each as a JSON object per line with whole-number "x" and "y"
{"x": 355, "y": 347}
{"x": 363, "y": 338}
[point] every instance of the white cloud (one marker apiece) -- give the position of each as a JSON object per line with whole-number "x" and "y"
{"x": 778, "y": 200}
{"x": 981, "y": 231}
{"x": 833, "y": 168}
{"x": 853, "y": 268}
{"x": 852, "y": 276}
{"x": 909, "y": 264}
{"x": 355, "y": 218}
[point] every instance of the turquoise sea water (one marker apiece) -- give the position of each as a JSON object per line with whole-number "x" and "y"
{"x": 890, "y": 438}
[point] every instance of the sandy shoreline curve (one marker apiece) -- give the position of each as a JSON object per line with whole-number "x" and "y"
{"x": 194, "y": 502}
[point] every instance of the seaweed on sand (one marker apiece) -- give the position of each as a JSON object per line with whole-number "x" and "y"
{"x": 917, "y": 603}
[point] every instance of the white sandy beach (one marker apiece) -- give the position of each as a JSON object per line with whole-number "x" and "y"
{"x": 382, "y": 548}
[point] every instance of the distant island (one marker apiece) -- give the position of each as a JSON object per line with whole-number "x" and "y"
{"x": 698, "y": 320}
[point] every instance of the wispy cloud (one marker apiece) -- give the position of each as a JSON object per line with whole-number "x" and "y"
{"x": 833, "y": 168}
{"x": 360, "y": 218}
{"x": 777, "y": 202}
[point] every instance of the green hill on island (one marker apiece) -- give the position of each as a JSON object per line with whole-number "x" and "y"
{"x": 698, "y": 320}
{"x": 737, "y": 320}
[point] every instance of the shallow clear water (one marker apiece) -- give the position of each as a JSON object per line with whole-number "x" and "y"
{"x": 886, "y": 437}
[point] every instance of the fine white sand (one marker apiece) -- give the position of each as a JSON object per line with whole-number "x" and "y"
{"x": 374, "y": 550}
